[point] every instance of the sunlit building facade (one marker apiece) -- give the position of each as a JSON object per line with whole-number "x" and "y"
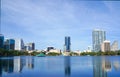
{"x": 19, "y": 44}
{"x": 114, "y": 46}
{"x": 105, "y": 46}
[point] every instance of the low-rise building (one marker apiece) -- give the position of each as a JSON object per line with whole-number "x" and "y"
{"x": 55, "y": 51}
{"x": 50, "y": 48}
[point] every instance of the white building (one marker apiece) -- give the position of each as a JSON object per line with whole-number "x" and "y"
{"x": 55, "y": 51}
{"x": 105, "y": 46}
{"x": 114, "y": 46}
{"x": 19, "y": 44}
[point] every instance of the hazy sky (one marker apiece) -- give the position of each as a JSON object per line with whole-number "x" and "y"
{"x": 47, "y": 22}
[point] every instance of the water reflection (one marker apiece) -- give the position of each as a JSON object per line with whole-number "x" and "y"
{"x": 67, "y": 66}
{"x": 101, "y": 65}
{"x": 15, "y": 64}
{"x": 18, "y": 66}
{"x": 116, "y": 65}
{"x": 28, "y": 66}
{"x": 7, "y": 65}
{"x": 29, "y": 63}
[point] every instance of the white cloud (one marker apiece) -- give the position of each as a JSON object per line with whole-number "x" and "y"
{"x": 56, "y": 18}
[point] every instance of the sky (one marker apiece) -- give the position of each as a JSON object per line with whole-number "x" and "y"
{"x": 47, "y": 22}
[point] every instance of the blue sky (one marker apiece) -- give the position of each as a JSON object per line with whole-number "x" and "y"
{"x": 47, "y": 22}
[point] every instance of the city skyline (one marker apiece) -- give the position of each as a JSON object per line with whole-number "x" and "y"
{"x": 47, "y": 22}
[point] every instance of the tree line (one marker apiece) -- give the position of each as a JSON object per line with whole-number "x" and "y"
{"x": 110, "y": 53}
{"x": 4, "y": 52}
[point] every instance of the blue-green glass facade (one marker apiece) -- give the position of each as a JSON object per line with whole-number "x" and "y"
{"x": 67, "y": 44}
{"x": 98, "y": 36}
{"x": 1, "y": 41}
{"x": 9, "y": 44}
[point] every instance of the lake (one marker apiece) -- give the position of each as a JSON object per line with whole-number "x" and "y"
{"x": 60, "y": 66}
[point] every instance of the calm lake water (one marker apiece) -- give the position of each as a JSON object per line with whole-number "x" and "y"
{"x": 60, "y": 66}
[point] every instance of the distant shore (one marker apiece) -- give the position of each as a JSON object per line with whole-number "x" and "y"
{"x": 34, "y": 53}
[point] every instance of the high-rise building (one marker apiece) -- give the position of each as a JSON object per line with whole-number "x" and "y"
{"x": 30, "y": 46}
{"x": 1, "y": 41}
{"x": 67, "y": 44}
{"x": 114, "y": 46}
{"x": 98, "y": 36}
{"x": 105, "y": 46}
{"x": 9, "y": 44}
{"x": 19, "y": 44}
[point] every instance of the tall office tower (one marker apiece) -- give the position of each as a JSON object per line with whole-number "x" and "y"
{"x": 19, "y": 44}
{"x": 1, "y": 41}
{"x": 30, "y": 46}
{"x": 105, "y": 46}
{"x": 98, "y": 36}
{"x": 33, "y": 46}
{"x": 114, "y": 46}
{"x": 67, "y": 44}
{"x": 9, "y": 44}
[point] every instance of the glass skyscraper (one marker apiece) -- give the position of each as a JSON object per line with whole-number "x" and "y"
{"x": 1, "y": 41}
{"x": 98, "y": 36}
{"x": 9, "y": 44}
{"x": 67, "y": 44}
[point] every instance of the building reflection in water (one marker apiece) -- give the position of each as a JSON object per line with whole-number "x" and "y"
{"x": 116, "y": 65}
{"x": 0, "y": 68}
{"x": 29, "y": 62}
{"x": 15, "y": 64}
{"x": 67, "y": 66}
{"x": 7, "y": 65}
{"x": 101, "y": 66}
